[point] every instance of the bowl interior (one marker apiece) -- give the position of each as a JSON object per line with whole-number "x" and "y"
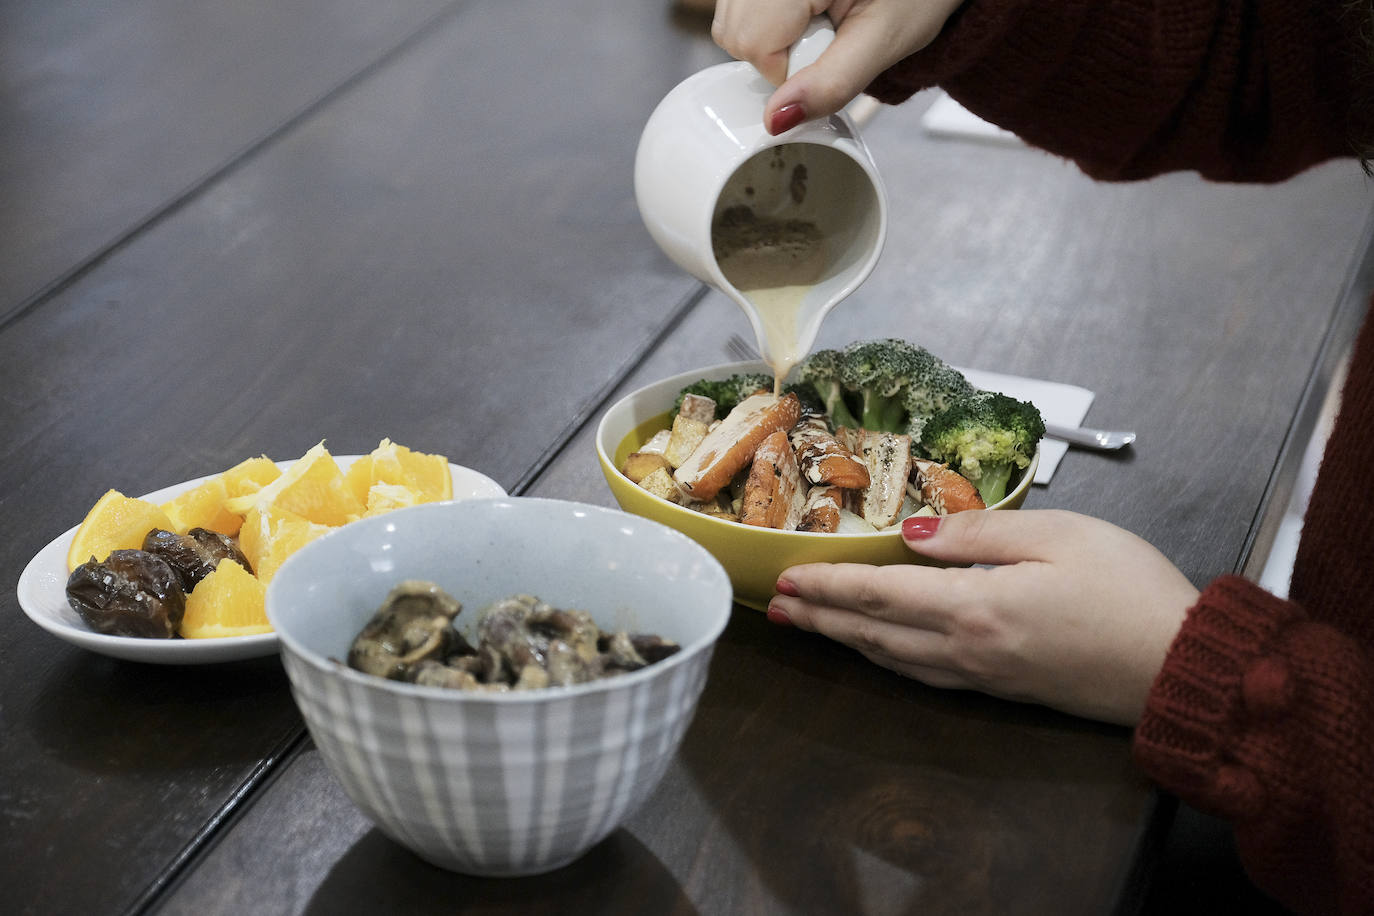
{"x": 629, "y": 572}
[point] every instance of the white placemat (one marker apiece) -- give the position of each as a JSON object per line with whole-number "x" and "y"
{"x": 1057, "y": 402}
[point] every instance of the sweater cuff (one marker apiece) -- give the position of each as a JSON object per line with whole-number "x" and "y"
{"x": 1217, "y": 679}
{"x": 964, "y": 41}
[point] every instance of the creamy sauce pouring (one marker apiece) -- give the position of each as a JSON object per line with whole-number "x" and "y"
{"x": 774, "y": 264}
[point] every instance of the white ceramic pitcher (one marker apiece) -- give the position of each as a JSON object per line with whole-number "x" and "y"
{"x": 705, "y": 149}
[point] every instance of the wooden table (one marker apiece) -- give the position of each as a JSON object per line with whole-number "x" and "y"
{"x": 234, "y": 229}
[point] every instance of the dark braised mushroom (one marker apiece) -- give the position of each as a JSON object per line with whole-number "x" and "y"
{"x": 195, "y": 554}
{"x": 621, "y": 655}
{"x": 133, "y": 593}
{"x": 568, "y": 667}
{"x": 413, "y": 625}
{"x": 522, "y": 644}
{"x": 538, "y": 644}
{"x": 503, "y": 630}
{"x": 430, "y": 673}
{"x": 653, "y": 648}
{"x": 576, "y": 628}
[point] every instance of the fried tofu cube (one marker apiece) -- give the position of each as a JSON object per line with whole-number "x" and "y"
{"x": 638, "y": 465}
{"x": 687, "y": 435}
{"x": 719, "y": 506}
{"x": 661, "y": 484}
{"x": 698, "y": 407}
{"x": 657, "y": 443}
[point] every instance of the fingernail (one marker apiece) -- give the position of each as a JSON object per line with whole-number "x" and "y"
{"x": 777, "y": 616}
{"x": 786, "y": 118}
{"x": 786, "y": 587}
{"x": 920, "y": 527}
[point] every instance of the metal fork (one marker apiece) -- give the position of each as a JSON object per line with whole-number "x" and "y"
{"x": 1104, "y": 440}
{"x": 740, "y": 348}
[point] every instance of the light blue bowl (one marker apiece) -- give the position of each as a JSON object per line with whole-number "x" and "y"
{"x": 514, "y": 783}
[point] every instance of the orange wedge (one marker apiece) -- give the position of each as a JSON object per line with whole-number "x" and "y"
{"x": 203, "y": 507}
{"x": 313, "y": 488}
{"x": 115, "y": 522}
{"x": 271, "y": 534}
{"x": 228, "y": 602}
{"x": 384, "y": 497}
{"x": 427, "y": 476}
{"x": 250, "y": 476}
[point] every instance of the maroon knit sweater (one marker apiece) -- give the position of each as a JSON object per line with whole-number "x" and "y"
{"x": 1264, "y": 710}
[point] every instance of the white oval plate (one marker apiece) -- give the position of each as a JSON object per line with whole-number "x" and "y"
{"x": 43, "y": 592}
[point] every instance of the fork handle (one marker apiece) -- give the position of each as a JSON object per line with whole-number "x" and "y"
{"x": 1089, "y": 438}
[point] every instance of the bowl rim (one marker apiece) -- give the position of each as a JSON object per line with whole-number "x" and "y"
{"x": 607, "y": 458}
{"x": 333, "y": 667}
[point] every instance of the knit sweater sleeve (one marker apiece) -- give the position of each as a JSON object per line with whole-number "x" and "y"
{"x": 1265, "y": 717}
{"x": 1128, "y": 89}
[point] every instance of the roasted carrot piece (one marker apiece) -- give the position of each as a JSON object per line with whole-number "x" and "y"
{"x": 822, "y": 459}
{"x": 946, "y": 491}
{"x": 822, "y": 510}
{"x": 730, "y": 445}
{"x": 773, "y": 494}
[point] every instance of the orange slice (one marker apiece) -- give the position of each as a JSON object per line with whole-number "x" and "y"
{"x": 228, "y": 602}
{"x": 203, "y": 507}
{"x": 359, "y": 477}
{"x": 115, "y": 522}
{"x": 427, "y": 476}
{"x": 271, "y": 534}
{"x": 384, "y": 497}
{"x": 250, "y": 476}
{"x": 313, "y": 488}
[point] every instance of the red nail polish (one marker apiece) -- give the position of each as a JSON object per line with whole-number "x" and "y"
{"x": 919, "y": 527}
{"x": 786, "y": 118}
{"x": 778, "y": 617}
{"x": 786, "y": 587}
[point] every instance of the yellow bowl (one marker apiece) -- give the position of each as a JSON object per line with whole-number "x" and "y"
{"x": 753, "y": 557}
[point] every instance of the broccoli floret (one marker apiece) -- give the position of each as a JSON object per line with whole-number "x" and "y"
{"x": 879, "y": 373}
{"x": 984, "y": 436}
{"x": 726, "y": 392}
{"x": 811, "y": 402}
{"x": 822, "y": 371}
{"x": 884, "y": 385}
{"x": 935, "y": 386}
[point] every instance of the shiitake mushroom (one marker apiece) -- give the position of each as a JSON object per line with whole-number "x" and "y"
{"x": 522, "y": 643}
{"x": 194, "y": 555}
{"x": 132, "y": 593}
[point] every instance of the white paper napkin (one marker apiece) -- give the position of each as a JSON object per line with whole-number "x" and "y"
{"x": 1059, "y": 403}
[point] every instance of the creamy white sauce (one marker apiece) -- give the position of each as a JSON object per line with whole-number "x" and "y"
{"x": 774, "y": 264}
{"x": 783, "y": 224}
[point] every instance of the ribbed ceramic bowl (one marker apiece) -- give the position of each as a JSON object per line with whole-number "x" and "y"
{"x": 753, "y": 557}
{"x": 500, "y": 784}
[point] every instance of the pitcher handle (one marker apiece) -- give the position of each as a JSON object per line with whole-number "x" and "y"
{"x": 820, "y": 32}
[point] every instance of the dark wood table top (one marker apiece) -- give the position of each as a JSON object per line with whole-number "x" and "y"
{"x": 241, "y": 228}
